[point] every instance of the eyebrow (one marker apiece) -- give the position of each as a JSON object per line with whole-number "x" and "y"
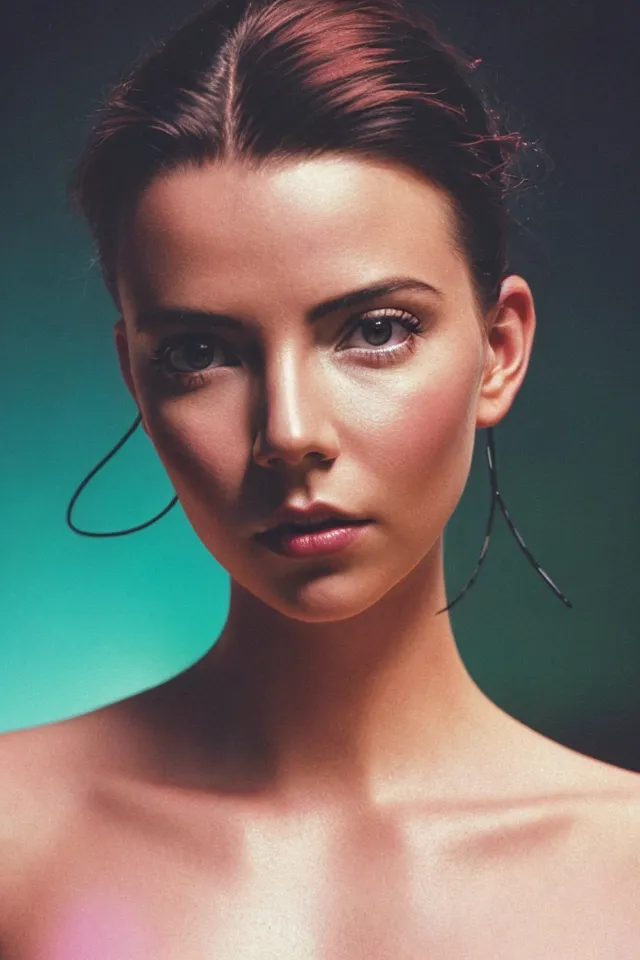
{"x": 147, "y": 320}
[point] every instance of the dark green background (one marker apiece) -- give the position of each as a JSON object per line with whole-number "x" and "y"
{"x": 86, "y": 621}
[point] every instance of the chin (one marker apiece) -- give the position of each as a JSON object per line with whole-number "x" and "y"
{"x": 320, "y": 594}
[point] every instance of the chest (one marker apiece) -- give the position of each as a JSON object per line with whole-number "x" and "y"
{"x": 116, "y": 896}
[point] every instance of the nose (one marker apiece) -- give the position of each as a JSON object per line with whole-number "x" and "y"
{"x": 294, "y": 420}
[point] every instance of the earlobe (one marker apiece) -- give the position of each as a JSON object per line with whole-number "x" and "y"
{"x": 508, "y": 351}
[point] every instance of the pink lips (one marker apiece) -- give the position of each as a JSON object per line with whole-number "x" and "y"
{"x": 283, "y": 541}
{"x": 314, "y": 513}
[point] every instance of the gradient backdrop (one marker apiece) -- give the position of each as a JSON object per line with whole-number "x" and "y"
{"x": 86, "y": 621}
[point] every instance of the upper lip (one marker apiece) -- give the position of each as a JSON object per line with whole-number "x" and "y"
{"x": 316, "y": 512}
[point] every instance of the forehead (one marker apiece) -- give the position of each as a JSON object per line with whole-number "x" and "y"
{"x": 228, "y": 229}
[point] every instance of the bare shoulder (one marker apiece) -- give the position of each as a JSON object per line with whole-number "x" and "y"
{"x": 31, "y": 762}
{"x": 611, "y": 815}
{"x": 598, "y": 802}
{"x": 38, "y": 795}
{"x": 45, "y": 773}
{"x": 605, "y": 802}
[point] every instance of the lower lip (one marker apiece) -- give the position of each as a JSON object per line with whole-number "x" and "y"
{"x": 313, "y": 544}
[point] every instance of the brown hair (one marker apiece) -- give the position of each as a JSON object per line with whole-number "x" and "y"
{"x": 272, "y": 80}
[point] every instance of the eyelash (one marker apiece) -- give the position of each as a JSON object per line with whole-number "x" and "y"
{"x": 379, "y": 357}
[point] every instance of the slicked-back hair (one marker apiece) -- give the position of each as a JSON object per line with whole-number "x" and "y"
{"x": 269, "y": 81}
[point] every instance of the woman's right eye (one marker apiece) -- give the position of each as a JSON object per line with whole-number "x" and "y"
{"x": 195, "y": 352}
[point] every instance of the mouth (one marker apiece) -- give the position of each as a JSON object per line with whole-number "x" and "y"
{"x": 298, "y": 529}
{"x": 304, "y": 540}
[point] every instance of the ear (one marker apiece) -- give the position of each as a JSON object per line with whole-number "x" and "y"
{"x": 124, "y": 358}
{"x": 508, "y": 351}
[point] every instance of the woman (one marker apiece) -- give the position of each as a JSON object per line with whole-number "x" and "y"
{"x": 300, "y": 213}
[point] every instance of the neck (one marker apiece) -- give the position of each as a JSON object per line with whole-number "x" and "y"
{"x": 375, "y": 708}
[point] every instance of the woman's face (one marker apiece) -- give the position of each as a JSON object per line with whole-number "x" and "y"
{"x": 393, "y": 409}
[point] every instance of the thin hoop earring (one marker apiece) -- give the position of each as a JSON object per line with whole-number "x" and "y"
{"x": 116, "y": 533}
{"x": 496, "y": 497}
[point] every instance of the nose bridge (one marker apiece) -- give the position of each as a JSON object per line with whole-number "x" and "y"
{"x": 294, "y": 417}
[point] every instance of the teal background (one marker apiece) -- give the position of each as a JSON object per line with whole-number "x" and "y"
{"x": 86, "y": 622}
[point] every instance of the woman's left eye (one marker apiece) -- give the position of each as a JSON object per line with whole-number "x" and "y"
{"x": 376, "y": 327}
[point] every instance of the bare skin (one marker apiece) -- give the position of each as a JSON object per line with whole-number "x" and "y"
{"x": 328, "y": 781}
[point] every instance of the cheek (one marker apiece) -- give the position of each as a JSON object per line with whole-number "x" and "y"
{"x": 419, "y": 440}
{"x": 205, "y": 456}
